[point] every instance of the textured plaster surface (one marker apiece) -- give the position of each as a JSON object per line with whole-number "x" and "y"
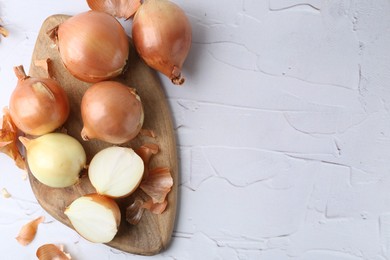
{"x": 283, "y": 132}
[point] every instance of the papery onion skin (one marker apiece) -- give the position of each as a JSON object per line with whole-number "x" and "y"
{"x": 28, "y": 231}
{"x": 93, "y": 46}
{"x": 51, "y": 252}
{"x": 111, "y": 112}
{"x": 55, "y": 159}
{"x": 158, "y": 184}
{"x": 37, "y": 105}
{"x": 162, "y": 36}
{"x": 8, "y": 140}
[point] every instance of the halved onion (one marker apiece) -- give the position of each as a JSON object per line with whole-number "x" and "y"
{"x": 116, "y": 171}
{"x": 94, "y": 217}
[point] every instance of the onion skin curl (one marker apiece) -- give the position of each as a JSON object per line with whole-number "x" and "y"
{"x": 38, "y": 105}
{"x": 111, "y": 112}
{"x": 162, "y": 36}
{"x": 93, "y": 46}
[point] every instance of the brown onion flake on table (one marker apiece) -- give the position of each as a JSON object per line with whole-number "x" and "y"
{"x": 5, "y": 193}
{"x": 51, "y": 251}
{"x": 3, "y": 31}
{"x": 46, "y": 65}
{"x": 28, "y": 231}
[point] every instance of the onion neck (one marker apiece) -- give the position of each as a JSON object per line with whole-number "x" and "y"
{"x": 176, "y": 77}
{"x": 20, "y": 73}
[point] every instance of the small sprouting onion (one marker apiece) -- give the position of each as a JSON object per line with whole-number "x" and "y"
{"x": 111, "y": 112}
{"x": 37, "y": 105}
{"x": 93, "y": 46}
{"x": 95, "y": 217}
{"x": 116, "y": 171}
{"x": 55, "y": 159}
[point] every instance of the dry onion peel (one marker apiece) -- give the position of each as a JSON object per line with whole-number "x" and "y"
{"x": 146, "y": 151}
{"x": 51, "y": 252}
{"x": 135, "y": 211}
{"x": 28, "y": 231}
{"x": 8, "y": 140}
{"x": 5, "y": 193}
{"x": 46, "y": 65}
{"x": 118, "y": 8}
{"x": 155, "y": 208}
{"x": 158, "y": 184}
{"x": 148, "y": 133}
{"x": 3, "y": 31}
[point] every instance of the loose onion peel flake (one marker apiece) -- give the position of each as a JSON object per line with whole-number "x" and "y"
{"x": 8, "y": 140}
{"x": 46, "y": 65}
{"x": 158, "y": 184}
{"x": 3, "y": 31}
{"x": 147, "y": 132}
{"x": 155, "y": 208}
{"x": 28, "y": 231}
{"x": 50, "y": 252}
{"x": 135, "y": 211}
{"x": 118, "y": 8}
{"x": 5, "y": 193}
{"x": 146, "y": 152}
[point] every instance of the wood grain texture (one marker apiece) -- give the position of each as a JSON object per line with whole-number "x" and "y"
{"x": 154, "y": 232}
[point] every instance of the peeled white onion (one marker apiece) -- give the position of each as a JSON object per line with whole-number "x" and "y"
{"x": 116, "y": 171}
{"x": 55, "y": 159}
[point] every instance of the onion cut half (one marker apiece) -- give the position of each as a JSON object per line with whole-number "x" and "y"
{"x": 94, "y": 217}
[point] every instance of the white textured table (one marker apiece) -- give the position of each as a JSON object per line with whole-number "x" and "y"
{"x": 283, "y": 131}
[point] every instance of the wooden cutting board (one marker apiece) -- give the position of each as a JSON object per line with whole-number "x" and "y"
{"x": 154, "y": 232}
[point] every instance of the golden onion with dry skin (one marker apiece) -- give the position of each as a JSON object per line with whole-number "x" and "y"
{"x": 37, "y": 105}
{"x": 93, "y": 46}
{"x": 111, "y": 112}
{"x": 162, "y": 36}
